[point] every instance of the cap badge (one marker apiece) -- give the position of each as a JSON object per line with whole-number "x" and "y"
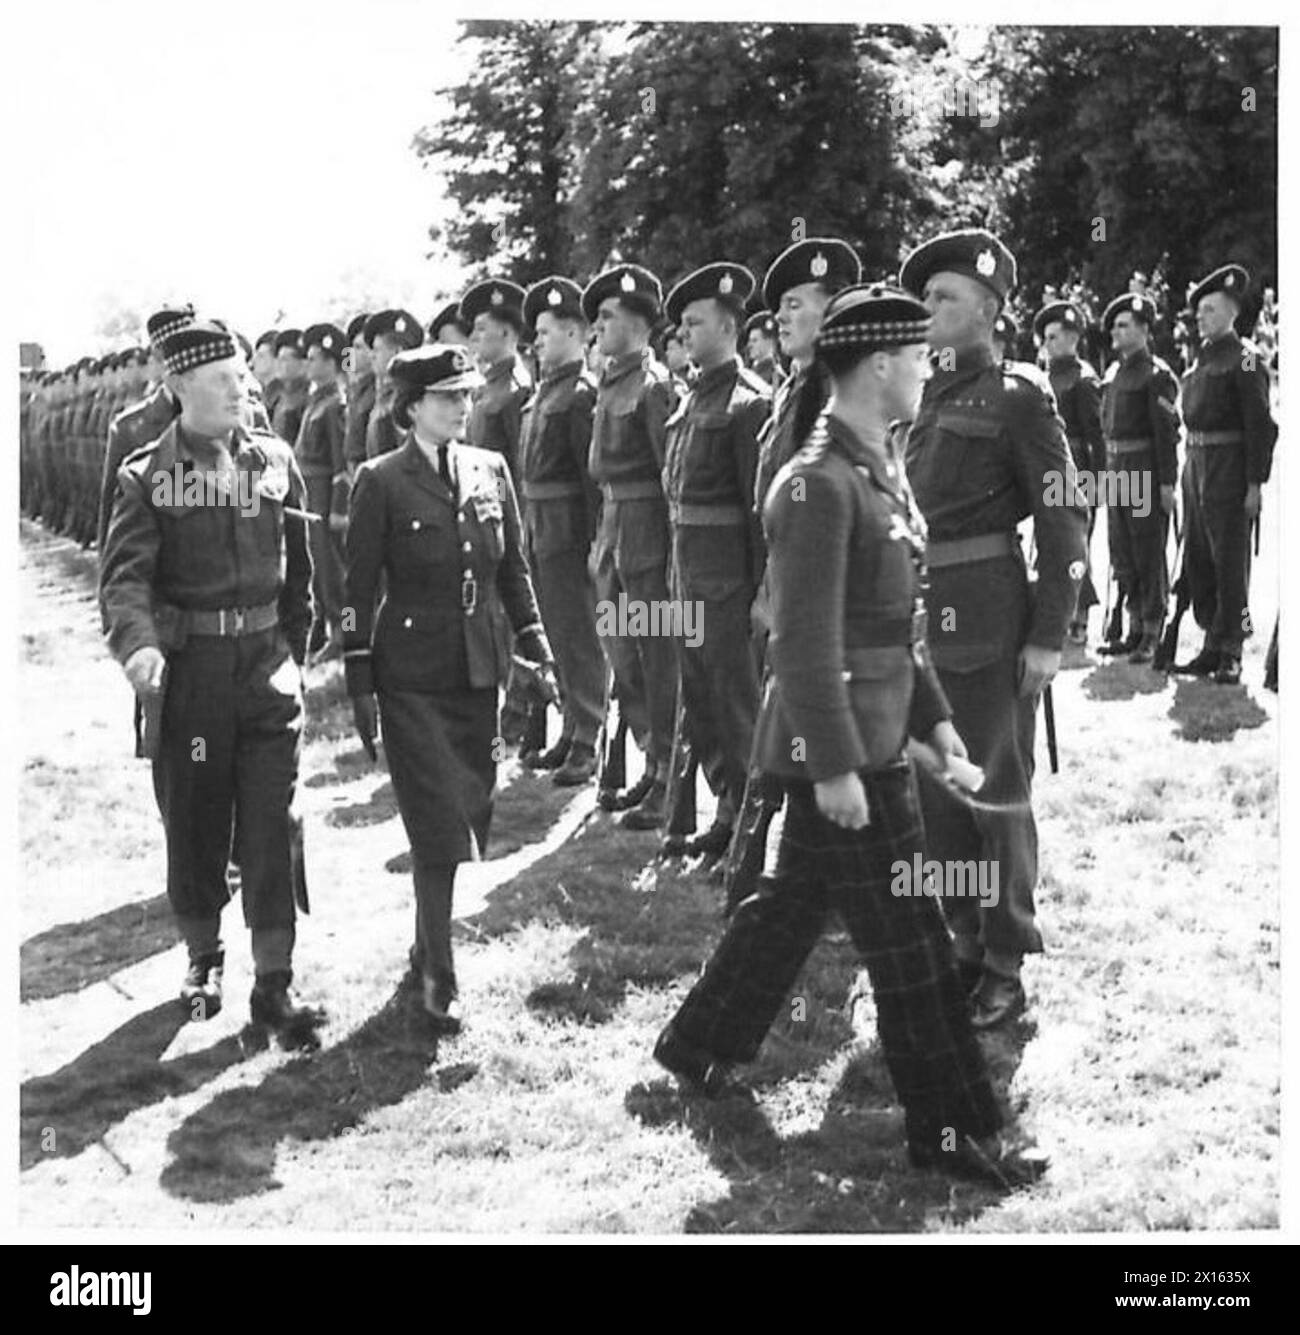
{"x": 1136, "y": 303}
{"x": 985, "y": 263}
{"x": 497, "y": 296}
{"x": 1229, "y": 280}
{"x": 725, "y": 284}
{"x": 1077, "y": 569}
{"x": 818, "y": 265}
{"x": 327, "y": 342}
{"x": 399, "y": 325}
{"x": 627, "y": 283}
{"x": 553, "y": 297}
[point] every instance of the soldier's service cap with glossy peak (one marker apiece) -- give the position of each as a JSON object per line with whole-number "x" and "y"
{"x": 1231, "y": 279}
{"x": 1064, "y": 313}
{"x": 167, "y": 321}
{"x": 497, "y": 297}
{"x": 356, "y": 327}
{"x": 1005, "y": 327}
{"x": 448, "y": 315}
{"x": 1134, "y": 303}
{"x": 820, "y": 259}
{"x": 872, "y": 315}
{"x": 441, "y": 366}
{"x": 329, "y": 338}
{"x": 399, "y": 325}
{"x": 634, "y": 287}
{"x": 197, "y": 345}
{"x": 763, "y": 321}
{"x": 974, "y": 252}
{"x": 561, "y": 297}
{"x": 728, "y": 283}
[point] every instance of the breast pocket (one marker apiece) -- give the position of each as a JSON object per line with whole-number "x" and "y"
{"x": 967, "y": 460}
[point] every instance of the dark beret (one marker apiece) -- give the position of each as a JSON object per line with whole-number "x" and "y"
{"x": 269, "y": 337}
{"x": 448, "y": 315}
{"x": 820, "y": 259}
{"x": 560, "y": 296}
{"x": 197, "y": 345}
{"x": 1231, "y": 278}
{"x": 497, "y": 297}
{"x": 871, "y": 315}
{"x": 635, "y": 287}
{"x": 167, "y": 321}
{"x": 974, "y": 252}
{"x": 1064, "y": 313}
{"x": 356, "y": 325}
{"x": 329, "y": 338}
{"x": 1135, "y": 303}
{"x": 763, "y": 321}
{"x": 396, "y": 324}
{"x": 725, "y": 282}
{"x": 289, "y": 338}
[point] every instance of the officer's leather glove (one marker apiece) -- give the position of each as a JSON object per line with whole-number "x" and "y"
{"x": 144, "y": 670}
{"x": 365, "y": 717}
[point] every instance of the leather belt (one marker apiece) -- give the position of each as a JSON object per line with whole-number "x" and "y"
{"x": 1215, "y": 438}
{"x": 706, "y": 516}
{"x": 1130, "y": 446}
{"x": 231, "y": 622}
{"x": 962, "y": 551}
{"x": 631, "y": 491}
{"x": 551, "y": 491}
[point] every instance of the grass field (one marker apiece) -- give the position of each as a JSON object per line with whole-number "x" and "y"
{"x": 1149, "y": 1066}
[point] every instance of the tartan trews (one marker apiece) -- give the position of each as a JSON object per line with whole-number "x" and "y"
{"x": 929, "y": 1047}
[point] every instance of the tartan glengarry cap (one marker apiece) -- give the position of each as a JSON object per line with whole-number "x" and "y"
{"x": 729, "y": 283}
{"x": 197, "y": 345}
{"x": 1141, "y": 307}
{"x": 291, "y": 339}
{"x": 440, "y": 366}
{"x": 447, "y": 315}
{"x": 820, "y": 259}
{"x": 1231, "y": 278}
{"x": 399, "y": 325}
{"x": 562, "y": 297}
{"x": 497, "y": 297}
{"x": 356, "y": 327}
{"x": 167, "y": 321}
{"x": 329, "y": 338}
{"x": 634, "y": 287}
{"x": 973, "y": 252}
{"x": 871, "y": 315}
{"x": 1064, "y": 313}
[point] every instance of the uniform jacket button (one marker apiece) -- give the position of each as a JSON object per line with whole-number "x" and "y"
{"x": 407, "y": 623}
{"x": 468, "y": 546}
{"x": 415, "y": 523}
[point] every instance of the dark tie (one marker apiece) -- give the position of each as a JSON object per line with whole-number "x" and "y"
{"x": 444, "y": 468}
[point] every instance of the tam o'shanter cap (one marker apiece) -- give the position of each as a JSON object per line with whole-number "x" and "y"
{"x": 329, "y": 338}
{"x": 167, "y": 321}
{"x": 1142, "y": 307}
{"x": 562, "y": 297}
{"x": 821, "y": 259}
{"x": 723, "y": 281}
{"x": 1231, "y": 278}
{"x": 397, "y": 324}
{"x": 634, "y": 286}
{"x": 872, "y": 315}
{"x": 1064, "y": 313}
{"x": 974, "y": 252}
{"x": 197, "y": 345}
{"x": 497, "y": 297}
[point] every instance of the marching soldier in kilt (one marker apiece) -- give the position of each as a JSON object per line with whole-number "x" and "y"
{"x": 439, "y": 520}
{"x": 205, "y": 583}
{"x": 494, "y": 313}
{"x": 561, "y": 511}
{"x": 987, "y": 450}
{"x": 1059, "y": 327}
{"x": 387, "y": 333}
{"x": 708, "y": 476}
{"x": 850, "y": 681}
{"x": 145, "y": 421}
{"x": 1139, "y": 422}
{"x": 634, "y": 400}
{"x": 1230, "y": 439}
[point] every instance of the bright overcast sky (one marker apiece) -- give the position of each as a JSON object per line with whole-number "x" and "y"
{"x": 253, "y": 158}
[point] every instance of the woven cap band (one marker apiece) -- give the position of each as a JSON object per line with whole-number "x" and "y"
{"x": 195, "y": 347}
{"x": 874, "y": 333}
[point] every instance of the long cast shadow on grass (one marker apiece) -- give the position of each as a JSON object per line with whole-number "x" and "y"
{"x": 1117, "y": 679}
{"x": 1206, "y": 712}
{"x": 64, "y": 1113}
{"x": 227, "y": 1149}
{"x": 72, "y": 955}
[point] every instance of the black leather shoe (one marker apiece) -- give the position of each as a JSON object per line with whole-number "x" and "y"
{"x": 713, "y": 843}
{"x": 634, "y": 796}
{"x": 1145, "y": 650}
{"x": 1205, "y": 664}
{"x": 272, "y": 1004}
{"x": 1113, "y": 648}
{"x": 440, "y": 1008}
{"x": 696, "y": 1070}
{"x": 579, "y": 766}
{"x": 549, "y": 759}
{"x": 988, "y": 1160}
{"x": 650, "y": 812}
{"x": 201, "y": 990}
{"x": 1228, "y": 673}
{"x": 998, "y": 1000}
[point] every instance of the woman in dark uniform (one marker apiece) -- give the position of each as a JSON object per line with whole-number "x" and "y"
{"x": 851, "y": 679}
{"x": 440, "y": 521}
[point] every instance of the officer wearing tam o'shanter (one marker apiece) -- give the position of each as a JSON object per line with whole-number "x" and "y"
{"x": 1058, "y": 327}
{"x": 986, "y": 451}
{"x": 1230, "y": 439}
{"x": 1139, "y": 422}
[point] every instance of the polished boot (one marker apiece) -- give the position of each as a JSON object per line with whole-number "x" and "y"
{"x": 273, "y": 1005}
{"x": 635, "y": 795}
{"x": 1205, "y": 664}
{"x": 579, "y": 766}
{"x": 201, "y": 990}
{"x": 650, "y": 812}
